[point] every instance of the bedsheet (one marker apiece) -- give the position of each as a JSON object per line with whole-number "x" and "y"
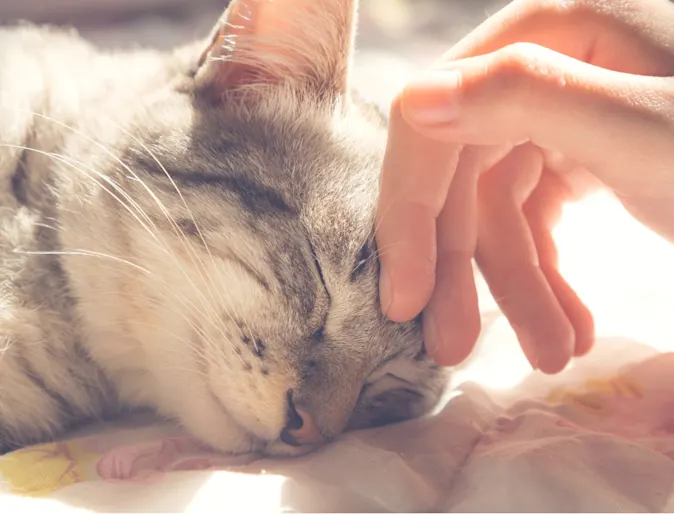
{"x": 600, "y": 439}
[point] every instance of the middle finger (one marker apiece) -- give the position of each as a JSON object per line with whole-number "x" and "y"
{"x": 508, "y": 258}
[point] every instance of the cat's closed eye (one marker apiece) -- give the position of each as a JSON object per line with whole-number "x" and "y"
{"x": 365, "y": 257}
{"x": 391, "y": 399}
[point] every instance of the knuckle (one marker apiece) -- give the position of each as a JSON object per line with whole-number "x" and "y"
{"x": 578, "y": 13}
{"x": 559, "y": 7}
{"x": 514, "y": 66}
{"x": 525, "y": 74}
{"x": 518, "y": 61}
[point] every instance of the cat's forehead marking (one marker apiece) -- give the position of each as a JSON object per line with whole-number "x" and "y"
{"x": 298, "y": 284}
{"x": 253, "y": 195}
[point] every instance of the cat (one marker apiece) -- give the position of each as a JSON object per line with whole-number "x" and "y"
{"x": 193, "y": 232}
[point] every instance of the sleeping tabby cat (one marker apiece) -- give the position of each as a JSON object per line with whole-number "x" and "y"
{"x": 192, "y": 232}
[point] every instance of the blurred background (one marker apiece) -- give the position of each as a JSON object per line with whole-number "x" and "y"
{"x": 396, "y": 37}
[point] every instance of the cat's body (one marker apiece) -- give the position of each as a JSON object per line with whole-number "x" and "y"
{"x": 195, "y": 236}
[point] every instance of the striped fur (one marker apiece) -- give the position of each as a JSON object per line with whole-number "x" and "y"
{"x": 192, "y": 232}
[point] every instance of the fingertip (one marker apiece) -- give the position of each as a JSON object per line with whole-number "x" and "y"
{"x": 407, "y": 252}
{"x": 402, "y": 312}
{"x": 554, "y": 351}
{"x": 553, "y": 366}
{"x": 585, "y": 335}
{"x": 385, "y": 290}
{"x": 583, "y": 322}
{"x": 577, "y": 312}
{"x": 406, "y": 289}
{"x": 451, "y": 346}
{"x": 452, "y": 321}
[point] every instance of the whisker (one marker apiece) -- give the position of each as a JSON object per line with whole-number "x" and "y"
{"x": 165, "y": 211}
{"x": 85, "y": 253}
{"x": 107, "y": 179}
{"x": 217, "y": 290}
{"x": 74, "y": 164}
{"x": 198, "y": 264}
{"x": 184, "y": 302}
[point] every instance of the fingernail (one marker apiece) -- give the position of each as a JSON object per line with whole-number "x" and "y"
{"x": 432, "y": 338}
{"x": 433, "y": 98}
{"x": 385, "y": 290}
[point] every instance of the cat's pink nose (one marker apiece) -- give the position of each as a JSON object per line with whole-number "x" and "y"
{"x": 300, "y": 429}
{"x": 307, "y": 434}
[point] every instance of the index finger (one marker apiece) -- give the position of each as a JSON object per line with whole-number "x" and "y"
{"x": 631, "y": 36}
{"x": 414, "y": 182}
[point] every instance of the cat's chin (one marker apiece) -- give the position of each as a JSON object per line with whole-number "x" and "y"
{"x": 221, "y": 432}
{"x": 242, "y": 444}
{"x": 280, "y": 449}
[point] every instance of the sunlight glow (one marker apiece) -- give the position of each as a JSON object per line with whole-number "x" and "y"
{"x": 239, "y": 492}
{"x": 623, "y": 272}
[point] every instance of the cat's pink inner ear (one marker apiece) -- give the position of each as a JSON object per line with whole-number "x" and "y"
{"x": 304, "y": 43}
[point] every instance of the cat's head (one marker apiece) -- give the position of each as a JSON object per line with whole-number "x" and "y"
{"x": 269, "y": 165}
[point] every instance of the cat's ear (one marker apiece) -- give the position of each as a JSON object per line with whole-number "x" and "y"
{"x": 307, "y": 44}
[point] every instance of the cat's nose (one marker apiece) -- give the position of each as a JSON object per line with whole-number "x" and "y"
{"x": 300, "y": 429}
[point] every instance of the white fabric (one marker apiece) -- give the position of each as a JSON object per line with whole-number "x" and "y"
{"x": 603, "y": 445}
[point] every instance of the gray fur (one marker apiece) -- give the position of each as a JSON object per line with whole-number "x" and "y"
{"x": 172, "y": 240}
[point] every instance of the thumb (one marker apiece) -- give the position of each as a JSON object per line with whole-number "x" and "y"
{"x": 604, "y": 120}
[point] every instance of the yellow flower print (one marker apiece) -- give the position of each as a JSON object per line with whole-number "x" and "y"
{"x": 595, "y": 395}
{"x": 41, "y": 469}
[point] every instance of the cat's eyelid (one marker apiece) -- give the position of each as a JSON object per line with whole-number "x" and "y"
{"x": 319, "y": 269}
{"x": 399, "y": 379}
{"x": 405, "y": 385}
{"x": 363, "y": 258}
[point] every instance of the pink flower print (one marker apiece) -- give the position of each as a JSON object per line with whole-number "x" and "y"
{"x": 144, "y": 461}
{"x": 150, "y": 461}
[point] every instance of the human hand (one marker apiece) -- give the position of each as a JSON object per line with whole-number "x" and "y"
{"x": 480, "y": 152}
